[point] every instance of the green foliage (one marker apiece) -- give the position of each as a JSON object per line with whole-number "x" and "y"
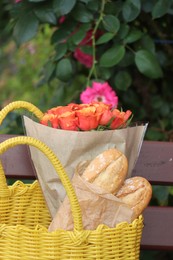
{"x": 128, "y": 42}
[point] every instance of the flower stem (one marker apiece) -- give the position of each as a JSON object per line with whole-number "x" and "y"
{"x": 93, "y": 68}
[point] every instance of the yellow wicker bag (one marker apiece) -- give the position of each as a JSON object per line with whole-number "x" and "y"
{"x": 24, "y": 218}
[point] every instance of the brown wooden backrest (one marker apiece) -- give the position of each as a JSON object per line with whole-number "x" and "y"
{"x": 155, "y": 163}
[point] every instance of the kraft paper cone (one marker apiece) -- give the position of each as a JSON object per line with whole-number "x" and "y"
{"x": 73, "y": 147}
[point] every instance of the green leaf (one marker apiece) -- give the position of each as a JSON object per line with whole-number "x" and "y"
{"x": 60, "y": 51}
{"x": 64, "y": 70}
{"x": 131, "y": 9}
{"x": 78, "y": 36}
{"x": 105, "y": 38}
{"x": 161, "y": 193}
{"x": 46, "y": 15}
{"x": 127, "y": 60}
{"x": 48, "y": 70}
{"x": 147, "y": 6}
{"x": 148, "y": 43}
{"x": 123, "y": 80}
{"x": 63, "y": 7}
{"x": 81, "y": 14}
{"x": 113, "y": 7}
{"x": 133, "y": 36}
{"x": 93, "y": 5}
{"x": 160, "y": 8}
{"x": 148, "y": 64}
{"x": 61, "y": 34}
{"x": 112, "y": 56}
{"x": 25, "y": 28}
{"x": 105, "y": 73}
{"x": 111, "y": 23}
{"x": 123, "y": 31}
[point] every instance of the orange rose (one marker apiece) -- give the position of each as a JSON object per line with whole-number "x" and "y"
{"x": 50, "y": 119}
{"x": 88, "y": 119}
{"x": 120, "y": 118}
{"x": 106, "y": 117}
{"x": 101, "y": 107}
{"x": 68, "y": 121}
{"x": 59, "y": 110}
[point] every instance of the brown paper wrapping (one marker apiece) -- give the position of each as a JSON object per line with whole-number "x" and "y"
{"x": 97, "y": 208}
{"x": 73, "y": 147}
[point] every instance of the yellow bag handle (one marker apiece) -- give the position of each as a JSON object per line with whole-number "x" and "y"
{"x": 19, "y": 105}
{"x": 25, "y": 140}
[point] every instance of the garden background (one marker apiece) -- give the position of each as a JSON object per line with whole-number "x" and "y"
{"x": 52, "y": 50}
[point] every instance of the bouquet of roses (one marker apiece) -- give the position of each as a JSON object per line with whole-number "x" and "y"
{"x": 86, "y": 117}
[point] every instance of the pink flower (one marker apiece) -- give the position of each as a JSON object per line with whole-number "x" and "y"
{"x": 99, "y": 92}
{"x": 61, "y": 19}
{"x": 83, "y": 58}
{"x": 17, "y": 1}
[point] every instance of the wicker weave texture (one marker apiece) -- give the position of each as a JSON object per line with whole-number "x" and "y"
{"x": 24, "y": 205}
{"x": 20, "y": 242}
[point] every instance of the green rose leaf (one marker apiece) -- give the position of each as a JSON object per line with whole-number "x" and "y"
{"x": 60, "y": 51}
{"x": 64, "y": 70}
{"x": 162, "y": 194}
{"x": 93, "y": 5}
{"x": 78, "y": 36}
{"x": 133, "y": 36}
{"x": 112, "y": 56}
{"x": 105, "y": 73}
{"x": 160, "y": 8}
{"x": 123, "y": 80}
{"x": 26, "y": 28}
{"x": 148, "y": 43}
{"x": 131, "y": 9}
{"x": 111, "y": 23}
{"x": 48, "y": 70}
{"x": 123, "y": 31}
{"x": 105, "y": 38}
{"x": 82, "y": 14}
{"x": 63, "y": 7}
{"x": 62, "y": 33}
{"x": 148, "y": 64}
{"x": 46, "y": 15}
{"x": 127, "y": 60}
{"x": 147, "y": 6}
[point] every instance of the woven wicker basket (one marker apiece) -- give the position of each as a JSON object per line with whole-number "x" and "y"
{"x": 24, "y": 219}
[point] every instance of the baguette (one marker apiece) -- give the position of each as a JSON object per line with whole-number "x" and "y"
{"x": 136, "y": 192}
{"x": 108, "y": 170}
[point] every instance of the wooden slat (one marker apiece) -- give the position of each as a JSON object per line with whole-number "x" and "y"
{"x": 158, "y": 230}
{"x": 155, "y": 162}
{"x": 16, "y": 161}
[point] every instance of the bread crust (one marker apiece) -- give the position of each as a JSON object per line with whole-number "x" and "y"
{"x": 136, "y": 192}
{"x": 108, "y": 170}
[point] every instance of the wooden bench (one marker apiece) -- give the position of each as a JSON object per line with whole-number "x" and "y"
{"x": 155, "y": 163}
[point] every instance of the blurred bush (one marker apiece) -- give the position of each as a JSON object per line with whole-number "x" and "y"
{"x": 127, "y": 43}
